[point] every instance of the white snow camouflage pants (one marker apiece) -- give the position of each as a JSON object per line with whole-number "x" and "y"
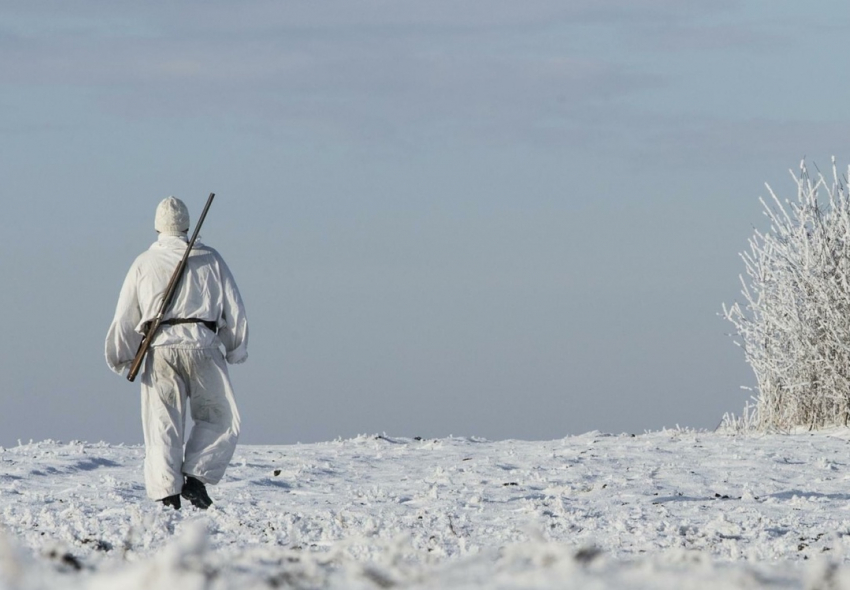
{"x": 171, "y": 378}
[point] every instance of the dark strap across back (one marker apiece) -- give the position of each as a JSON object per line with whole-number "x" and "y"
{"x": 175, "y": 321}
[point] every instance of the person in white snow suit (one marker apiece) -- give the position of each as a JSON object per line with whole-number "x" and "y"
{"x": 185, "y": 363}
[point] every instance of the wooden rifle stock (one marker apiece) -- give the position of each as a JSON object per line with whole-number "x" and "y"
{"x": 166, "y": 299}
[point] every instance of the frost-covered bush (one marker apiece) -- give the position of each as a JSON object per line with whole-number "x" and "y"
{"x": 794, "y": 323}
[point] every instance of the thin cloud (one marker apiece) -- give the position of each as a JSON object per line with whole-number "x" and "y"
{"x": 428, "y": 23}
{"x": 359, "y": 82}
{"x": 375, "y": 68}
{"x": 160, "y": 17}
{"x": 707, "y": 38}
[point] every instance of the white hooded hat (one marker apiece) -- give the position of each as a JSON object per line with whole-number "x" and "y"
{"x": 172, "y": 217}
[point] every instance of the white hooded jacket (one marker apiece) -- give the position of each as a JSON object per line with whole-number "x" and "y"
{"x": 207, "y": 291}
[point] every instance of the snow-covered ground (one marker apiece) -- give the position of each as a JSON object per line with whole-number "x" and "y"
{"x": 670, "y": 510}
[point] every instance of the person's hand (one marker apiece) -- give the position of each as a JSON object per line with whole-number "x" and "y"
{"x": 237, "y": 358}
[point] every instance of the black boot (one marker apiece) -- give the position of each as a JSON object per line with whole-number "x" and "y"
{"x": 196, "y": 492}
{"x": 173, "y": 501}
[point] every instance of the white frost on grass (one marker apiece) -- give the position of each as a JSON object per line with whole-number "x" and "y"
{"x": 674, "y": 509}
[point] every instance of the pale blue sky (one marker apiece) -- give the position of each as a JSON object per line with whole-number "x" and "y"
{"x": 499, "y": 219}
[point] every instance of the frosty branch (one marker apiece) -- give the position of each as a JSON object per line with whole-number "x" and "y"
{"x": 794, "y": 321}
